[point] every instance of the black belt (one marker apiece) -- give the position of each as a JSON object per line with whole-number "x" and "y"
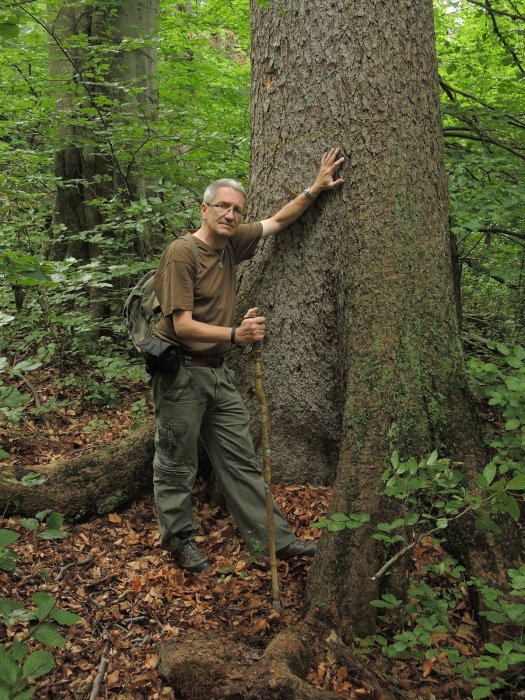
{"x": 193, "y": 361}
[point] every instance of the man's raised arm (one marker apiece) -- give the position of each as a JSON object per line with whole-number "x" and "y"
{"x": 293, "y": 210}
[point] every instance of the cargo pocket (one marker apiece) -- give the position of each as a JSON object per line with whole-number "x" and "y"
{"x": 169, "y": 460}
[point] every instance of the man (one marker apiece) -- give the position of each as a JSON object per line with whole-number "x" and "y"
{"x": 198, "y": 306}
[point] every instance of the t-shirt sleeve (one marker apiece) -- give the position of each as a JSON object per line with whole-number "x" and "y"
{"x": 174, "y": 278}
{"x": 245, "y": 241}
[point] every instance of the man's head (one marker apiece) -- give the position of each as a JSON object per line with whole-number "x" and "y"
{"x": 223, "y": 207}
{"x": 211, "y": 190}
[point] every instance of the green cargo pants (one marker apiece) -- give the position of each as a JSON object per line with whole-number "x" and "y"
{"x": 204, "y": 401}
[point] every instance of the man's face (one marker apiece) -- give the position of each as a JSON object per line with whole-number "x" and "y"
{"x": 223, "y": 215}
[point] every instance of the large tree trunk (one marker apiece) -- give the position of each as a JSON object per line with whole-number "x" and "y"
{"x": 363, "y": 355}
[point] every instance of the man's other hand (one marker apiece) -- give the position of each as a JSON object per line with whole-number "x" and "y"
{"x": 251, "y": 329}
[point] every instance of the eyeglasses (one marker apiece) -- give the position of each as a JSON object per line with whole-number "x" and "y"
{"x": 224, "y": 209}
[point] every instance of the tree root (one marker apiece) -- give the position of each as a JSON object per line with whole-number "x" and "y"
{"x": 203, "y": 668}
{"x": 95, "y": 483}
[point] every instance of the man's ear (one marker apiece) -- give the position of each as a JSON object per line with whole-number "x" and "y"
{"x": 204, "y": 209}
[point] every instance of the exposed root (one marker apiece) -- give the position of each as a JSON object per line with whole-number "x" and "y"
{"x": 201, "y": 668}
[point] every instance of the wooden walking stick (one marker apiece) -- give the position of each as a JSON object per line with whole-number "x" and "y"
{"x": 267, "y": 469}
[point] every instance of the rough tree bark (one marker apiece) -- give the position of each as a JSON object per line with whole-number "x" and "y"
{"x": 363, "y": 354}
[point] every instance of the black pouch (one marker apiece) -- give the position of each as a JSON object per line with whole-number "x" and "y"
{"x": 159, "y": 355}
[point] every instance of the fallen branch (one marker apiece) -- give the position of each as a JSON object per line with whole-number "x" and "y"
{"x": 78, "y": 562}
{"x": 101, "y": 668}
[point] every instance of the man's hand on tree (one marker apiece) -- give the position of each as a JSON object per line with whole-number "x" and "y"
{"x": 325, "y": 177}
{"x": 251, "y": 329}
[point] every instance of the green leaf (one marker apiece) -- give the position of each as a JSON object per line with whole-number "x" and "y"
{"x": 493, "y": 648}
{"x": 64, "y": 617}
{"x": 10, "y": 672}
{"x": 519, "y": 352}
{"x": 513, "y": 508}
{"x": 18, "y": 650}
{"x": 481, "y": 692}
{"x": 321, "y": 523}
{"x": 517, "y": 484}
{"x": 335, "y": 527}
{"x": 353, "y": 524}
{"x": 489, "y": 472}
{"x": 38, "y": 663}
{"x": 512, "y": 424}
{"x": 54, "y": 521}
{"x": 7, "y": 606}
{"x": 53, "y": 534}
{"x": 442, "y": 523}
{"x": 44, "y": 602}
{"x": 26, "y": 694}
{"x": 432, "y": 459}
{"x": 360, "y": 517}
{"x": 42, "y": 514}
{"x": 411, "y": 518}
{"x": 503, "y": 349}
{"x": 339, "y": 517}
{"x": 7, "y": 537}
{"x": 47, "y": 634}
{"x": 513, "y": 362}
{"x": 30, "y": 523}
{"x": 9, "y": 30}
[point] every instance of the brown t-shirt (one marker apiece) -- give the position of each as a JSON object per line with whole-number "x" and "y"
{"x": 209, "y": 292}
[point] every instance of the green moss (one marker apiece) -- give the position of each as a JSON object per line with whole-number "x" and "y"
{"x": 111, "y": 502}
{"x": 317, "y": 602}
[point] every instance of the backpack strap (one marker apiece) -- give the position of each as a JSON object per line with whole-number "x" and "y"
{"x": 189, "y": 237}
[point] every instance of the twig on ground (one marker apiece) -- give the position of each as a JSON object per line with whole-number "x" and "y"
{"x": 78, "y": 562}
{"x": 101, "y": 667}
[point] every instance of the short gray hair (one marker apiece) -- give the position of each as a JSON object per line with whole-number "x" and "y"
{"x": 213, "y": 187}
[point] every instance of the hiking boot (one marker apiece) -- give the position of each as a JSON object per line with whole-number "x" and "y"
{"x": 297, "y": 548}
{"x": 188, "y": 556}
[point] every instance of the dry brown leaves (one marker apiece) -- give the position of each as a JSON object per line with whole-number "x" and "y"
{"x": 123, "y": 586}
{"x": 128, "y": 592}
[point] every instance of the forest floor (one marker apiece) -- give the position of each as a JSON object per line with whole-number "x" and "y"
{"x": 130, "y": 596}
